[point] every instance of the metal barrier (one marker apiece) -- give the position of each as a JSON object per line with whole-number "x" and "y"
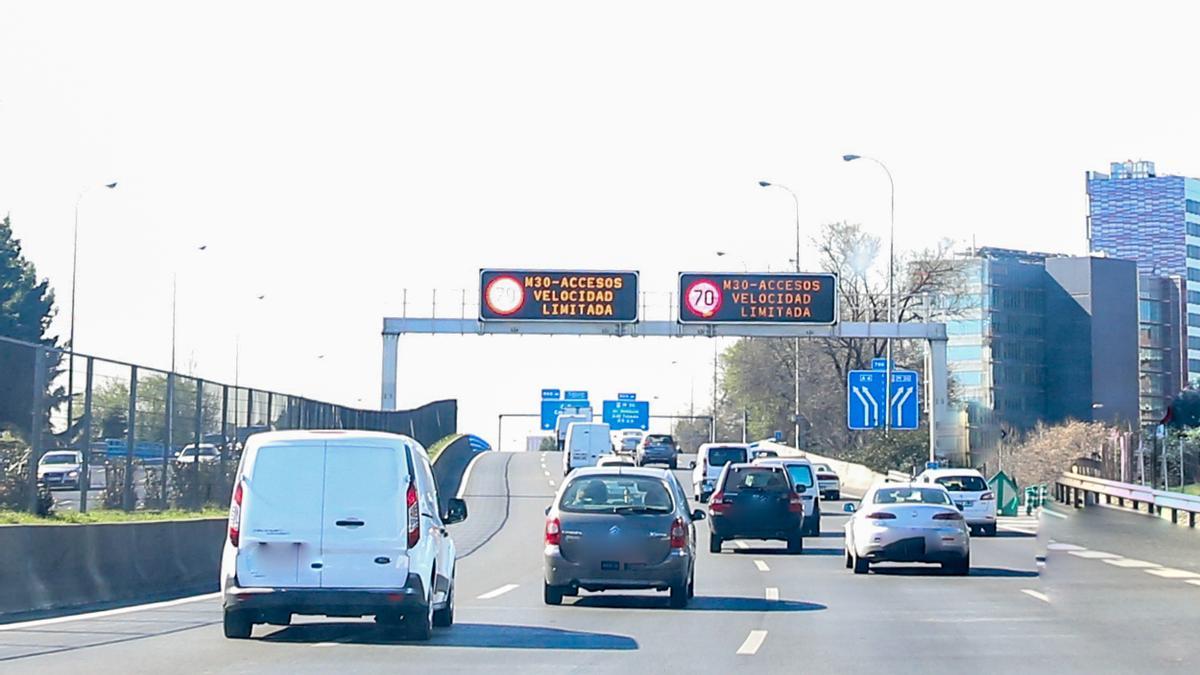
{"x": 1079, "y": 490}
{"x": 129, "y": 436}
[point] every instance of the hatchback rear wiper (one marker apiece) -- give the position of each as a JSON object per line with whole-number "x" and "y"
{"x": 633, "y": 508}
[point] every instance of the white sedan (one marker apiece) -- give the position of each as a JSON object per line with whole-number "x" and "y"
{"x": 907, "y": 522}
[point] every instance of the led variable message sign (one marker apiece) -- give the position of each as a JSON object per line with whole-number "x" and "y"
{"x": 558, "y": 295}
{"x": 758, "y": 298}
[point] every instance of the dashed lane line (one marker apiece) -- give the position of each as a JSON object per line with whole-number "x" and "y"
{"x": 753, "y": 641}
{"x": 1194, "y": 582}
{"x": 762, "y": 566}
{"x": 1055, "y": 514}
{"x": 1035, "y": 594}
{"x": 1172, "y": 573}
{"x": 1093, "y": 555}
{"x": 772, "y": 594}
{"x": 1131, "y": 563}
{"x": 497, "y": 592}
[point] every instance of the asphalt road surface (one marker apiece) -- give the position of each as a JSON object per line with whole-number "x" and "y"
{"x": 755, "y": 608}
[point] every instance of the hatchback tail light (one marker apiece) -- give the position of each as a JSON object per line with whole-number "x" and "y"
{"x": 795, "y": 503}
{"x": 716, "y": 503}
{"x": 987, "y": 496}
{"x": 414, "y": 515}
{"x": 678, "y": 534}
{"x": 235, "y": 515}
{"x": 881, "y": 515}
{"x": 553, "y": 532}
{"x": 948, "y": 515}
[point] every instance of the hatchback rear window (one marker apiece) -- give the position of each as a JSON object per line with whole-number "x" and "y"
{"x": 723, "y": 456}
{"x": 962, "y": 483}
{"x": 755, "y": 478}
{"x": 659, "y": 439}
{"x": 914, "y": 495}
{"x": 616, "y": 494}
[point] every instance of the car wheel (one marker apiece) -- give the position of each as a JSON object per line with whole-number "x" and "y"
{"x": 551, "y": 595}
{"x": 419, "y": 625}
{"x": 815, "y": 531}
{"x": 714, "y": 543}
{"x": 795, "y": 544}
{"x": 861, "y": 565}
{"x": 849, "y": 560}
{"x": 692, "y": 586}
{"x": 444, "y": 617}
{"x": 990, "y": 529}
{"x": 679, "y": 596}
{"x": 238, "y": 625}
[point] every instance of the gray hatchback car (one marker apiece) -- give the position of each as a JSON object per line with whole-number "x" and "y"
{"x": 620, "y": 528}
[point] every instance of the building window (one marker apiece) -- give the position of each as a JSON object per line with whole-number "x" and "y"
{"x": 1193, "y": 228}
{"x": 1193, "y": 342}
{"x": 1194, "y": 320}
{"x": 968, "y": 378}
{"x": 1194, "y": 365}
{"x": 1193, "y": 274}
{"x": 1194, "y": 297}
{"x": 964, "y": 353}
{"x": 1192, "y": 206}
{"x": 1193, "y": 251}
{"x": 971, "y": 327}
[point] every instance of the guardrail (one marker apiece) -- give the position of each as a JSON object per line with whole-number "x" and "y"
{"x": 1079, "y": 490}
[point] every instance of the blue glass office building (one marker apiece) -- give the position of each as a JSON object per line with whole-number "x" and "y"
{"x": 1135, "y": 214}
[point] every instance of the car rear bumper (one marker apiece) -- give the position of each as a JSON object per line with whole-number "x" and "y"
{"x": 330, "y": 601}
{"x": 915, "y": 545}
{"x": 732, "y": 529}
{"x": 590, "y": 575}
{"x": 654, "y": 456}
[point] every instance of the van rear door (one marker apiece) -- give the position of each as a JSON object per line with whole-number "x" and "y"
{"x": 363, "y": 528}
{"x": 281, "y": 517}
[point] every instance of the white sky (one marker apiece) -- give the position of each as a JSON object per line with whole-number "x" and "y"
{"x": 332, "y": 154}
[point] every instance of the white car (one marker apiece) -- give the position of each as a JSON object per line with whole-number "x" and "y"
{"x": 207, "y": 454}
{"x": 971, "y": 494}
{"x": 802, "y": 473}
{"x": 827, "y": 481}
{"x": 60, "y": 468}
{"x": 615, "y": 460}
{"x": 338, "y": 523}
{"x": 907, "y": 522}
{"x": 711, "y": 458}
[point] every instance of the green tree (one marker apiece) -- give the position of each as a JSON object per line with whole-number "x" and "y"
{"x": 26, "y": 308}
{"x": 110, "y": 405}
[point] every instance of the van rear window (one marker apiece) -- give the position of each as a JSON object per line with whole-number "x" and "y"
{"x": 723, "y": 456}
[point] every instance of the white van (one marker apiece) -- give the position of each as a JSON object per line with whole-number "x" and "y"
{"x": 337, "y": 523}
{"x": 710, "y": 459}
{"x": 586, "y": 442}
{"x": 565, "y": 420}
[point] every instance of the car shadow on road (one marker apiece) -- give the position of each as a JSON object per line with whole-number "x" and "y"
{"x": 699, "y": 603}
{"x": 1010, "y": 534}
{"x": 934, "y": 571}
{"x": 808, "y": 550}
{"x": 479, "y": 635}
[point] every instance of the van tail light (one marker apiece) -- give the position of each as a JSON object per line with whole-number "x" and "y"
{"x": 987, "y": 496}
{"x": 679, "y": 534}
{"x": 716, "y": 503}
{"x": 795, "y": 503}
{"x": 882, "y": 515}
{"x": 235, "y": 516}
{"x": 948, "y": 515}
{"x": 553, "y": 532}
{"x": 414, "y": 515}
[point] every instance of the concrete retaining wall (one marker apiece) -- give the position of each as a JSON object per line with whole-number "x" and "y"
{"x": 61, "y": 566}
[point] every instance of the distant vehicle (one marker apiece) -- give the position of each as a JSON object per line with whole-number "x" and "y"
{"x": 206, "y": 454}
{"x": 912, "y": 522}
{"x": 970, "y": 493}
{"x": 658, "y": 449}
{"x": 614, "y": 460}
{"x": 586, "y": 442}
{"x": 60, "y": 468}
{"x": 756, "y": 501}
{"x": 565, "y": 420}
{"x": 338, "y": 523}
{"x": 626, "y": 440}
{"x": 802, "y": 473}
{"x": 827, "y": 481}
{"x": 638, "y": 516}
{"x": 710, "y": 459}
{"x": 762, "y": 453}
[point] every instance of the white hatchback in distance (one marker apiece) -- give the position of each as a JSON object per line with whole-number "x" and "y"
{"x": 971, "y": 494}
{"x": 338, "y": 523}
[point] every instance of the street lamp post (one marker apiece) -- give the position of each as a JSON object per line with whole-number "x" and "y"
{"x": 174, "y": 296}
{"x": 887, "y": 423}
{"x": 74, "y": 271}
{"x": 796, "y": 340}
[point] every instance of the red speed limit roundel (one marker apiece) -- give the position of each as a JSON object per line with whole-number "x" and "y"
{"x": 504, "y": 295}
{"x": 703, "y": 298}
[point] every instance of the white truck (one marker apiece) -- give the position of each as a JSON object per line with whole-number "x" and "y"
{"x": 566, "y": 418}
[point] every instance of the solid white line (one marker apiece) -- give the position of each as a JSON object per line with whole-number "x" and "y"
{"x": 1172, "y": 573}
{"x": 466, "y": 478}
{"x": 772, "y": 594}
{"x": 1035, "y": 594}
{"x": 753, "y": 641}
{"x": 741, "y": 544}
{"x": 498, "y": 592}
{"x": 1093, "y": 555}
{"x": 762, "y": 566}
{"x": 1194, "y": 582}
{"x": 108, "y": 612}
{"x": 1056, "y": 514}
{"x": 1130, "y": 563}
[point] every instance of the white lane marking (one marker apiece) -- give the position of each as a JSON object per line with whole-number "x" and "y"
{"x": 772, "y": 594}
{"x": 1064, "y": 547}
{"x": 497, "y": 592}
{"x": 762, "y": 566}
{"x": 1172, "y": 573}
{"x": 547, "y": 473}
{"x": 1131, "y": 563}
{"x": 753, "y": 641}
{"x": 1093, "y": 555}
{"x": 741, "y": 544}
{"x": 1056, "y": 514}
{"x": 466, "y": 478}
{"x": 1022, "y": 530}
{"x": 1035, "y": 594}
{"x": 1194, "y": 582}
{"x": 551, "y": 483}
{"x": 108, "y": 612}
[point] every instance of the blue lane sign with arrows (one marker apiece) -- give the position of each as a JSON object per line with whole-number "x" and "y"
{"x": 866, "y": 394}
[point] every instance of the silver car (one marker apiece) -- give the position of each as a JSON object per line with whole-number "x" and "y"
{"x": 907, "y": 522}
{"x": 620, "y": 528}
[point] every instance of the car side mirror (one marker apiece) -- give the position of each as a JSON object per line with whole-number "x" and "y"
{"x": 801, "y": 489}
{"x": 698, "y": 515}
{"x": 456, "y": 511}
{"x": 693, "y": 464}
{"x": 848, "y": 508}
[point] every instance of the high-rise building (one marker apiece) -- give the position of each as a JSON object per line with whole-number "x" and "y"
{"x": 1136, "y": 214}
{"x": 1161, "y": 325}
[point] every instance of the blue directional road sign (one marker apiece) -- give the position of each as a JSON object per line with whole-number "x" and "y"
{"x": 878, "y": 364}
{"x": 626, "y": 397}
{"x": 627, "y": 414}
{"x": 866, "y": 393}
{"x": 552, "y": 394}
{"x": 551, "y": 410}
{"x": 576, "y": 395}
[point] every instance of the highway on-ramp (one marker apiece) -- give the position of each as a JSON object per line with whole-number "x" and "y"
{"x": 755, "y": 607}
